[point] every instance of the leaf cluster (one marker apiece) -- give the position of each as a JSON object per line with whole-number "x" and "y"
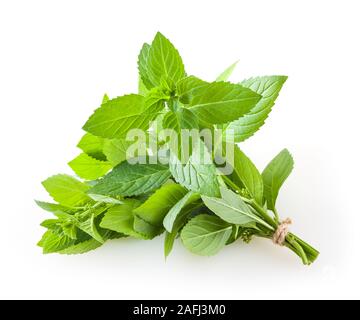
{"x": 114, "y": 199}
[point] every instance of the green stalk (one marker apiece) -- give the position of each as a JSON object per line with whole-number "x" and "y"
{"x": 298, "y": 249}
{"x": 311, "y": 252}
{"x": 277, "y": 218}
{"x": 263, "y": 213}
{"x": 231, "y": 184}
{"x": 307, "y": 253}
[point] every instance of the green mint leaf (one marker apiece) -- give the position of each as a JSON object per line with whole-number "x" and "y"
{"x": 69, "y": 224}
{"x": 196, "y": 175}
{"x": 169, "y": 242}
{"x": 93, "y": 146}
{"x": 104, "y": 199}
{"x": 115, "y": 150}
{"x": 120, "y": 218}
{"x": 181, "y": 218}
{"x": 52, "y": 242}
{"x": 224, "y": 76}
{"x": 66, "y": 190}
{"x": 269, "y": 87}
{"x": 170, "y": 239}
{"x": 205, "y": 235}
{"x": 81, "y": 247}
{"x": 164, "y": 63}
{"x": 132, "y": 179}
{"x": 53, "y": 225}
{"x": 146, "y": 229}
{"x": 105, "y": 98}
{"x": 181, "y": 119}
{"x": 52, "y": 207}
{"x": 68, "y": 216}
{"x": 117, "y": 116}
{"x": 85, "y": 245}
{"x": 274, "y": 175}
{"x": 154, "y": 99}
{"x": 154, "y": 209}
{"x": 50, "y": 224}
{"x": 246, "y": 175}
{"x": 144, "y": 82}
{"x": 221, "y": 102}
{"x": 171, "y": 216}
{"x": 89, "y": 226}
{"x": 231, "y": 208}
{"x": 188, "y": 87}
{"x": 64, "y": 225}
{"x": 70, "y": 231}
{"x": 142, "y": 90}
{"x": 89, "y": 168}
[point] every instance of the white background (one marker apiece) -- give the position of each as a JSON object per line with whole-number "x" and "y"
{"x": 57, "y": 58}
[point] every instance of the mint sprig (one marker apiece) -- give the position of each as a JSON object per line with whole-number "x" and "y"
{"x": 161, "y": 187}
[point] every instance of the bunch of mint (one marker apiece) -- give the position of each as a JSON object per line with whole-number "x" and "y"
{"x": 157, "y": 189}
